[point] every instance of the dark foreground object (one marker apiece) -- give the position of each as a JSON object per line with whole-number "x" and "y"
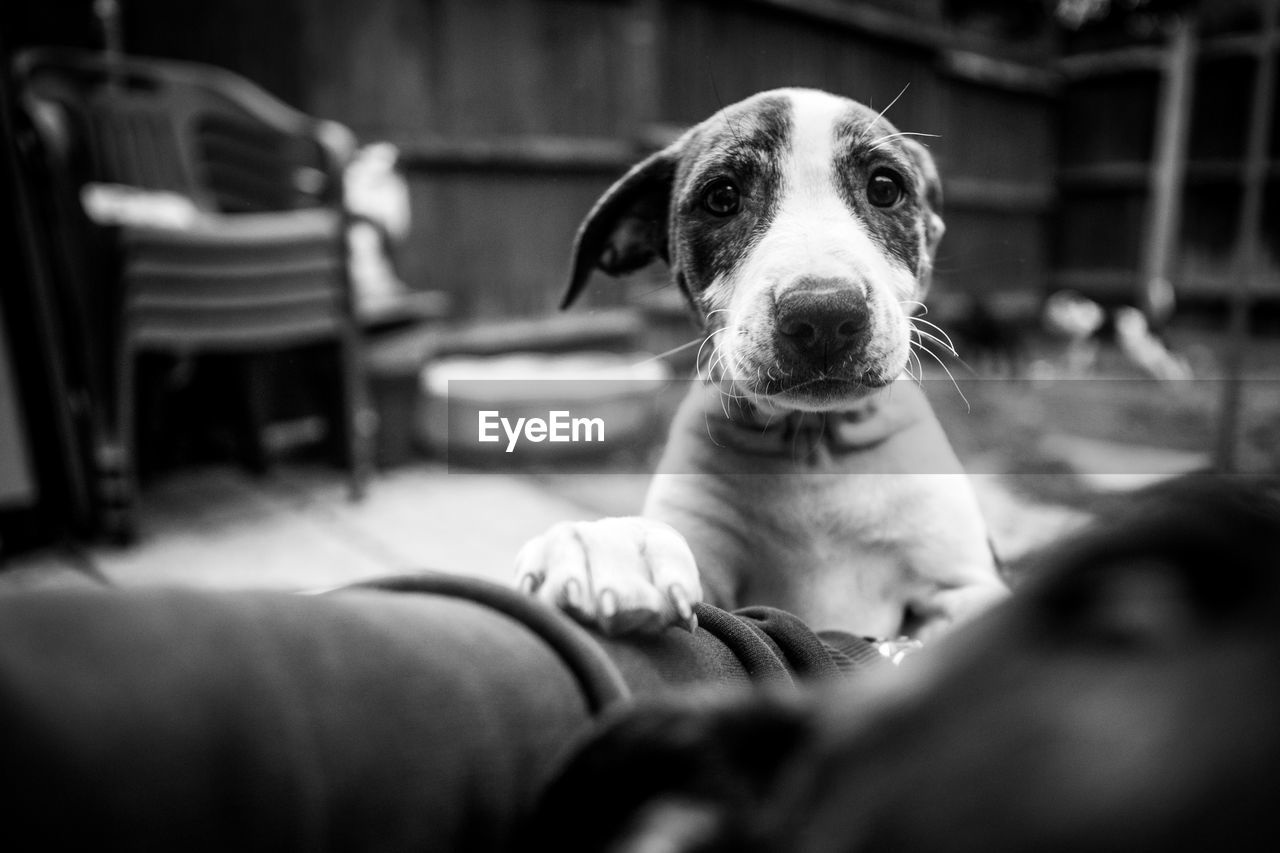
{"x": 1127, "y": 699}
{"x": 424, "y": 714}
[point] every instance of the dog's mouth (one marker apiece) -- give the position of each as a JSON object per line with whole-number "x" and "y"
{"x": 811, "y": 391}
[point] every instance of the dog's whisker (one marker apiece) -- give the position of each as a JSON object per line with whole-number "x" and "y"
{"x": 698, "y": 359}
{"x": 706, "y": 422}
{"x": 941, "y": 337}
{"x": 946, "y": 370}
{"x": 924, "y": 309}
{"x": 918, "y": 376}
{"x": 724, "y": 402}
{"x": 768, "y": 421}
{"x": 954, "y": 355}
{"x": 699, "y": 370}
{"x": 895, "y": 100}
{"x": 657, "y": 289}
{"x": 703, "y": 358}
{"x": 810, "y": 381}
{"x": 723, "y": 385}
{"x": 889, "y": 137}
{"x": 725, "y": 379}
{"x": 732, "y": 370}
{"x": 715, "y": 367}
{"x": 714, "y": 379}
{"x": 718, "y": 377}
{"x": 926, "y": 336}
{"x": 728, "y": 120}
{"x": 930, "y": 324}
{"x": 725, "y": 395}
{"x": 695, "y": 342}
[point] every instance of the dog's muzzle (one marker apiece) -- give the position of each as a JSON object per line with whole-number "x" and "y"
{"x": 821, "y": 324}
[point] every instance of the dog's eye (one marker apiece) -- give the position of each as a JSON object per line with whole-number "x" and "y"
{"x": 884, "y": 189}
{"x": 722, "y": 198}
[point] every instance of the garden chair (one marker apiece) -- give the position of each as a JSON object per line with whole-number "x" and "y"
{"x": 259, "y": 267}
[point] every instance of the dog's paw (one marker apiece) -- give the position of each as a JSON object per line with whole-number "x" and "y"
{"x": 621, "y": 575}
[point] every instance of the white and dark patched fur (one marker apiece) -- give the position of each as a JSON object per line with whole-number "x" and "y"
{"x": 806, "y": 472}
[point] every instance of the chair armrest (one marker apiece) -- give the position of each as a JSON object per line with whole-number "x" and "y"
{"x": 304, "y": 225}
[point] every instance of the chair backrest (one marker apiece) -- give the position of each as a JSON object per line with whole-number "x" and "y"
{"x": 272, "y": 274}
{"x": 184, "y": 127}
{"x": 252, "y": 281}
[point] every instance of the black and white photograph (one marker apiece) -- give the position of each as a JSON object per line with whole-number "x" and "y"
{"x": 640, "y": 426}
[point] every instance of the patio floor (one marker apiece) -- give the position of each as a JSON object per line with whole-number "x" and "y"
{"x": 219, "y": 527}
{"x": 296, "y": 529}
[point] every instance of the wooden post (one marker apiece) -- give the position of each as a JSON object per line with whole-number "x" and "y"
{"x": 642, "y": 25}
{"x": 1246, "y": 258}
{"x": 108, "y": 13}
{"x": 1168, "y": 171}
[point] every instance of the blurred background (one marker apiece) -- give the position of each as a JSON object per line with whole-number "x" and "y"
{"x": 227, "y": 278}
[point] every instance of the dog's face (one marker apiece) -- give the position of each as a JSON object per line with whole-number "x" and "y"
{"x": 801, "y": 226}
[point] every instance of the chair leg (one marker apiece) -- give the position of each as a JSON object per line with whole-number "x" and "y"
{"x": 255, "y": 395}
{"x": 357, "y": 421}
{"x": 117, "y": 469}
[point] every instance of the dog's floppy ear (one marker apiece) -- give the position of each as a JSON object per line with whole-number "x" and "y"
{"x": 934, "y": 227}
{"x": 627, "y": 228}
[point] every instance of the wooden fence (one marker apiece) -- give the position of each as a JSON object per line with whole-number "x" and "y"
{"x": 513, "y": 116}
{"x": 1123, "y": 106}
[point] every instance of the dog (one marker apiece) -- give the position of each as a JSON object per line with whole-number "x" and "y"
{"x": 807, "y": 472}
{"x": 1124, "y": 700}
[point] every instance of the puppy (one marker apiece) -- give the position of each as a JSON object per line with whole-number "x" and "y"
{"x": 1124, "y": 700}
{"x": 805, "y": 472}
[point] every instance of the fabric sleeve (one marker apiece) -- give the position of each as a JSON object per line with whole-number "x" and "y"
{"x": 426, "y": 713}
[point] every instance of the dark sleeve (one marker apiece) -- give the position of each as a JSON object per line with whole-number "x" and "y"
{"x": 425, "y": 715}
{"x": 801, "y": 652}
{"x": 172, "y": 720}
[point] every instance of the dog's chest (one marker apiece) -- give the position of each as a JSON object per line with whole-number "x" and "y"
{"x": 833, "y": 528}
{"x": 836, "y": 549}
{"x": 824, "y": 513}
{"x": 825, "y": 530}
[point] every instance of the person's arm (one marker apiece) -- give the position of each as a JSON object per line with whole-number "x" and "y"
{"x": 424, "y": 718}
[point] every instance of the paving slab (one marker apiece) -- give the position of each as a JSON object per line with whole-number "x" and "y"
{"x": 296, "y": 529}
{"x": 220, "y": 528}
{"x": 430, "y": 518}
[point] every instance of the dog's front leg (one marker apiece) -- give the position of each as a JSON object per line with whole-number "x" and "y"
{"x": 622, "y": 575}
{"x": 939, "y": 613}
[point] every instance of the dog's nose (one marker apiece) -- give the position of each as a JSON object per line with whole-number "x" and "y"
{"x": 822, "y": 322}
